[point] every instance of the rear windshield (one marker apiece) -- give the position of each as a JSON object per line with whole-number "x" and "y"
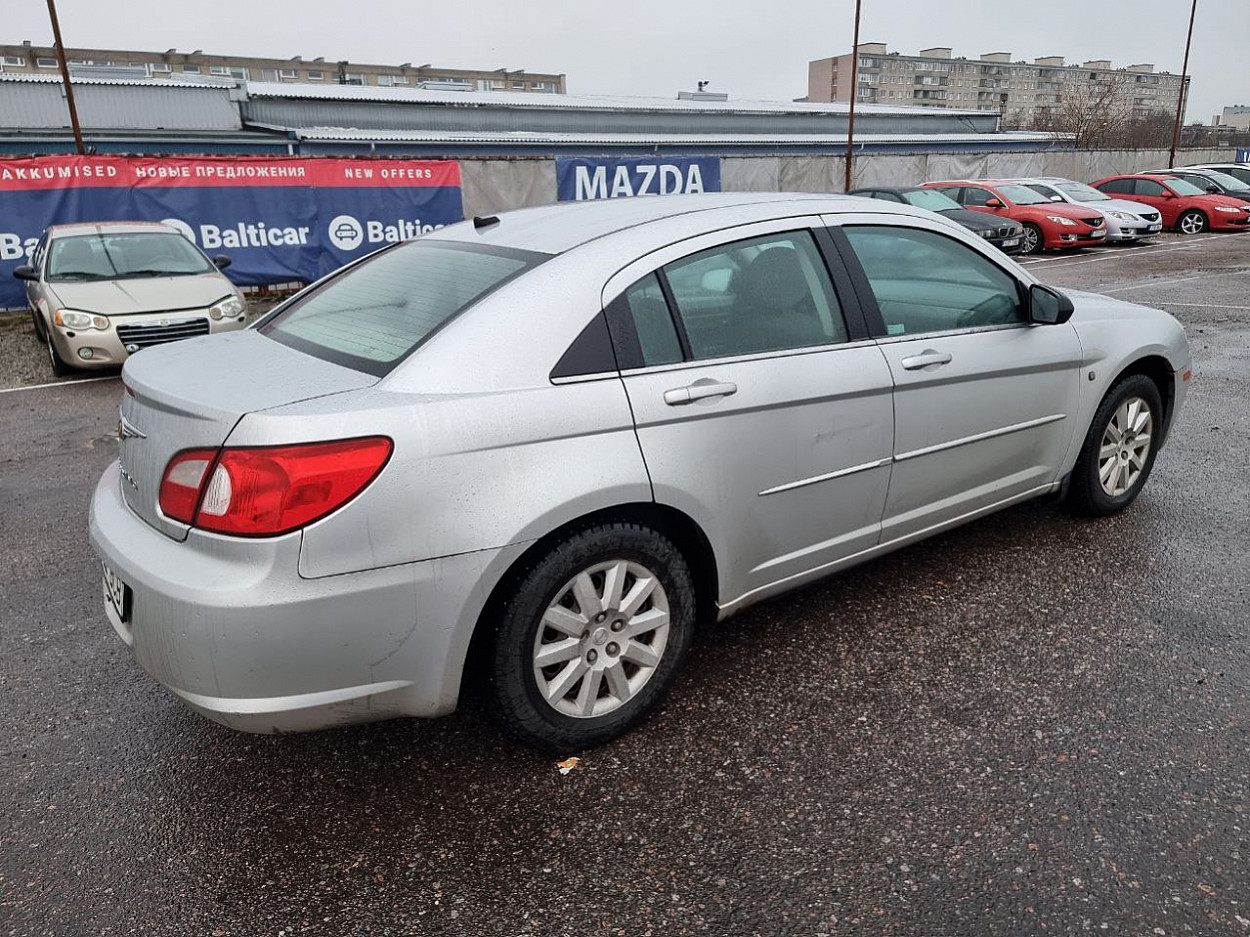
{"x": 124, "y": 256}
{"x": 377, "y": 313}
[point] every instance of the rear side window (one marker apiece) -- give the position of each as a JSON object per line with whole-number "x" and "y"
{"x": 768, "y": 293}
{"x": 657, "y": 336}
{"x": 379, "y": 312}
{"x": 1117, "y": 187}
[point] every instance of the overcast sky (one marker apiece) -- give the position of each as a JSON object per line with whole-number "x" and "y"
{"x": 656, "y": 47}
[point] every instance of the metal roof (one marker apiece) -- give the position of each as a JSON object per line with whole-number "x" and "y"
{"x": 523, "y": 138}
{"x": 37, "y": 102}
{"x": 597, "y": 102}
{"x": 199, "y": 81}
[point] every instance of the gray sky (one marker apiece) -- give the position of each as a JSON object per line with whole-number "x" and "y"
{"x": 755, "y": 49}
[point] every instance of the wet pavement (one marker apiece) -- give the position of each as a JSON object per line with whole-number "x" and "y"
{"x": 1034, "y": 724}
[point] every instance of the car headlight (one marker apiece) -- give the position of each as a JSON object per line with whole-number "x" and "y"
{"x": 1226, "y": 208}
{"x": 1060, "y": 219}
{"x": 1123, "y": 216}
{"x": 987, "y": 233}
{"x": 227, "y": 308}
{"x": 70, "y": 319}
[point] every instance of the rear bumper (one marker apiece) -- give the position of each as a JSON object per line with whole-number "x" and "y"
{"x": 230, "y": 627}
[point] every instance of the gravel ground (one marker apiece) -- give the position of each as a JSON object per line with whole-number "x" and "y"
{"x": 1034, "y": 724}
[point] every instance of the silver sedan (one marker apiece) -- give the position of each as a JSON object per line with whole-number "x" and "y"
{"x": 528, "y": 454}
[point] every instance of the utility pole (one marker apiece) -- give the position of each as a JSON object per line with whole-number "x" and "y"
{"x": 69, "y": 88}
{"x": 1180, "y": 100}
{"x": 850, "y": 121}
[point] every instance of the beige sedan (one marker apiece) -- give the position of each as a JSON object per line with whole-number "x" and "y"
{"x": 98, "y": 293}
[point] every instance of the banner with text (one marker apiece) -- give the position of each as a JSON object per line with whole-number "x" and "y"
{"x": 277, "y": 219}
{"x": 580, "y": 179}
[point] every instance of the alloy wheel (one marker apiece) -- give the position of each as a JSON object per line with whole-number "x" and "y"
{"x": 1193, "y": 223}
{"x": 1125, "y": 446}
{"x": 1032, "y": 240}
{"x": 601, "y": 639}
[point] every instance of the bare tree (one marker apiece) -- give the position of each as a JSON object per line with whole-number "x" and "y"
{"x": 1097, "y": 114}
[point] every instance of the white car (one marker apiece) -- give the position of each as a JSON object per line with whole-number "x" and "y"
{"x": 1126, "y": 221}
{"x": 1236, "y": 170}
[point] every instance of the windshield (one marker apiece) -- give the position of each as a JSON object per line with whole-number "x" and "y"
{"x": 1082, "y": 192}
{"x": 377, "y": 313}
{"x": 124, "y": 256}
{"x": 1021, "y": 195}
{"x": 1181, "y": 187}
{"x": 931, "y": 199}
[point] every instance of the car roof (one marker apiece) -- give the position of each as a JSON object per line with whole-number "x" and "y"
{"x": 559, "y": 227}
{"x": 108, "y": 227}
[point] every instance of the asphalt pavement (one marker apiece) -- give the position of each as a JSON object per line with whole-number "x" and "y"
{"x": 1035, "y": 724}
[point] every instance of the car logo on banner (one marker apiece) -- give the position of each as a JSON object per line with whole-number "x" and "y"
{"x": 345, "y": 232}
{"x": 182, "y": 227}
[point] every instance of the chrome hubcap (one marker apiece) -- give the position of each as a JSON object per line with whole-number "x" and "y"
{"x": 601, "y": 639}
{"x": 1125, "y": 446}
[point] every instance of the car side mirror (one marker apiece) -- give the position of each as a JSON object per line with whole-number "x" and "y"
{"x": 1056, "y": 198}
{"x": 993, "y": 203}
{"x": 1168, "y": 193}
{"x": 1048, "y": 306}
{"x": 26, "y": 272}
{"x": 221, "y": 261}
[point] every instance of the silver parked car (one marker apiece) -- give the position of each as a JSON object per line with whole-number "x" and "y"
{"x": 540, "y": 447}
{"x": 1126, "y": 221}
{"x": 100, "y": 292}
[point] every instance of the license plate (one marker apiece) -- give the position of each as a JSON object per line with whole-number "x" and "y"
{"x": 116, "y": 593}
{"x": 1154, "y": 227}
{"x": 1011, "y": 242}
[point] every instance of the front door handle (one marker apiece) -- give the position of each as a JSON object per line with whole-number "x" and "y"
{"x": 924, "y": 359}
{"x": 699, "y": 390}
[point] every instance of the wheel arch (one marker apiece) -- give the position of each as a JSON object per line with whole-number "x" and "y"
{"x": 1159, "y": 370}
{"x": 678, "y": 526}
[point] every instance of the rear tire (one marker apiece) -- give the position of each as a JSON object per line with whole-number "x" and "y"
{"x": 1034, "y": 241}
{"x": 610, "y": 655}
{"x": 1119, "y": 449}
{"x": 1192, "y": 222}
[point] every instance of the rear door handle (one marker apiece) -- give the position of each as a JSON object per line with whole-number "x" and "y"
{"x": 699, "y": 390}
{"x": 924, "y": 359}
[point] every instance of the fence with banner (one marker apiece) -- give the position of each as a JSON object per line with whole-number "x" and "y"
{"x": 278, "y": 219}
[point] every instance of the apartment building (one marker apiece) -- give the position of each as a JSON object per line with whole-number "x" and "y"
{"x": 1236, "y": 118}
{"x": 1022, "y": 92}
{"x": 26, "y": 58}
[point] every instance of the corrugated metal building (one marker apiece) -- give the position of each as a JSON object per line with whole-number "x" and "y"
{"x": 152, "y": 117}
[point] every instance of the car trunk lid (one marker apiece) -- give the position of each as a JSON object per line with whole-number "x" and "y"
{"x": 190, "y": 395}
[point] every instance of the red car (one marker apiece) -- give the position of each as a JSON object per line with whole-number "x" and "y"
{"x": 1047, "y": 224}
{"x": 1182, "y": 204}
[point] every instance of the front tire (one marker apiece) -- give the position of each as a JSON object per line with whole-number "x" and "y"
{"x": 1034, "y": 241}
{"x": 1192, "y": 222}
{"x": 590, "y": 637}
{"x": 59, "y": 367}
{"x": 1119, "y": 449}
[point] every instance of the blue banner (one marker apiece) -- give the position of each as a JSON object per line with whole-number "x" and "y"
{"x": 580, "y": 179}
{"x": 279, "y": 220}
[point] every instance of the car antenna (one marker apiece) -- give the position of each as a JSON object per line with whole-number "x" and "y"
{"x": 484, "y": 221}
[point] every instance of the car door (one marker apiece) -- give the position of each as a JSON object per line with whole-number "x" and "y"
{"x": 762, "y": 407}
{"x": 1156, "y": 195}
{"x": 984, "y": 403}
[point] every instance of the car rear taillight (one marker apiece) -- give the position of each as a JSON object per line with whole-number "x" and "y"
{"x": 269, "y": 490}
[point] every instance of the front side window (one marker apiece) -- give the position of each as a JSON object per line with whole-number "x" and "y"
{"x": 927, "y": 282}
{"x": 1150, "y": 188}
{"x": 377, "y": 313}
{"x": 764, "y": 294}
{"x": 975, "y": 196}
{"x": 124, "y": 256}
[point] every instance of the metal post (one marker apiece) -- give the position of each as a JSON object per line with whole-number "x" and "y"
{"x": 69, "y": 88}
{"x": 1180, "y": 101}
{"x": 850, "y": 122}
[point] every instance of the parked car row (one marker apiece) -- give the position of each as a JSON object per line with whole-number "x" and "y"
{"x": 98, "y": 293}
{"x": 1029, "y": 215}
